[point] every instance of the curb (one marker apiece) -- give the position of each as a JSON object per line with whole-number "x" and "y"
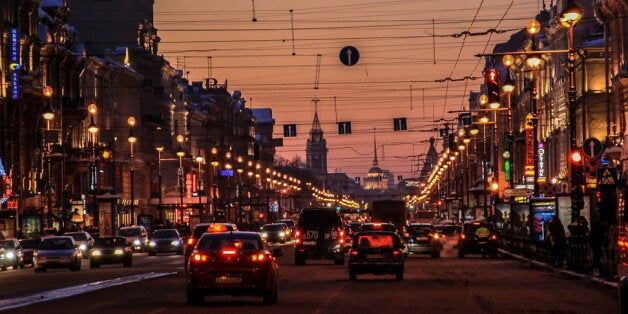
{"x": 569, "y": 273}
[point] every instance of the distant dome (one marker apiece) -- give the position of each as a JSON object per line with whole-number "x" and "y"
{"x": 376, "y": 170}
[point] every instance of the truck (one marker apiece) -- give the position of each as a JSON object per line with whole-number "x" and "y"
{"x": 393, "y": 211}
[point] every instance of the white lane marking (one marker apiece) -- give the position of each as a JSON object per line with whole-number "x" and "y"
{"x": 75, "y": 290}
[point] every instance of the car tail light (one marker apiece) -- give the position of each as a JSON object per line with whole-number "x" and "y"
{"x": 197, "y": 257}
{"x": 396, "y": 253}
{"x": 229, "y": 252}
{"x": 462, "y": 237}
{"x": 258, "y": 257}
{"x": 297, "y": 236}
{"x": 377, "y": 226}
{"x": 354, "y": 253}
{"x": 436, "y": 236}
{"x": 493, "y": 237}
{"x": 341, "y": 237}
{"x": 191, "y": 241}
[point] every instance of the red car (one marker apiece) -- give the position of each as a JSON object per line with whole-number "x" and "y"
{"x": 232, "y": 263}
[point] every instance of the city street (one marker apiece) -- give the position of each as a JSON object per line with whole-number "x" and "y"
{"x": 448, "y": 284}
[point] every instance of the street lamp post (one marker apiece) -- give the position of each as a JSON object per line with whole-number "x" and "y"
{"x": 199, "y": 185}
{"x": 92, "y": 128}
{"x": 132, "y": 140}
{"x": 160, "y": 209}
{"x": 48, "y": 115}
{"x": 180, "y": 174}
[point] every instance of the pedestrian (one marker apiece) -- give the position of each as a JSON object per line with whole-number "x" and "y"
{"x": 558, "y": 241}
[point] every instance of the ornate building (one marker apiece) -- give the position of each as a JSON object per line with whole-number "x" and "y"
{"x": 316, "y": 149}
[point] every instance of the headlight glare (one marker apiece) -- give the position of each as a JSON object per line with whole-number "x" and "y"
{"x": 83, "y": 247}
{"x": 10, "y": 255}
{"x": 152, "y": 243}
{"x": 96, "y": 253}
{"x": 174, "y": 243}
{"x": 264, "y": 235}
{"x": 137, "y": 242}
{"x": 118, "y": 252}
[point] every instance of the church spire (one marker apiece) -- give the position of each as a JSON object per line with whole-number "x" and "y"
{"x": 316, "y": 124}
{"x": 375, "y": 163}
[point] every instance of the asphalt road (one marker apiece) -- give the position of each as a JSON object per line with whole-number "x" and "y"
{"x": 445, "y": 285}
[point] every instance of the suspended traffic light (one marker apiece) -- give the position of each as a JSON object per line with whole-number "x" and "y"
{"x": 492, "y": 85}
{"x": 576, "y": 161}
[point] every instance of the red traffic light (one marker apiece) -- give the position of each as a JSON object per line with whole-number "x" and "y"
{"x": 492, "y": 76}
{"x": 575, "y": 156}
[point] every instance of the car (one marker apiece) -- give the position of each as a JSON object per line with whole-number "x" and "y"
{"x": 200, "y": 229}
{"x": 422, "y": 238}
{"x": 376, "y": 252}
{"x": 449, "y": 234}
{"x": 3, "y": 261}
{"x": 136, "y": 236}
{"x": 57, "y": 252}
{"x": 29, "y": 245}
{"x": 13, "y": 254}
{"x": 275, "y": 232}
{"x": 232, "y": 263}
{"x": 83, "y": 240}
{"x": 110, "y": 250}
{"x": 319, "y": 235}
{"x": 165, "y": 241}
{"x": 377, "y": 226}
{"x": 478, "y": 237}
{"x": 292, "y": 226}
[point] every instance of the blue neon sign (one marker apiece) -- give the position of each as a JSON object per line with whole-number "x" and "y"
{"x": 14, "y": 57}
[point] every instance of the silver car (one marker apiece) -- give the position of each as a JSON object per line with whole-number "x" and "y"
{"x": 12, "y": 253}
{"x": 57, "y": 252}
{"x": 83, "y": 240}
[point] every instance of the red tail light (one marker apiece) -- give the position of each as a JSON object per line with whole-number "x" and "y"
{"x": 258, "y": 257}
{"x": 377, "y": 226}
{"x": 462, "y": 236}
{"x": 191, "y": 241}
{"x": 199, "y": 257}
{"x": 396, "y": 253}
{"x": 229, "y": 252}
{"x": 341, "y": 237}
{"x": 354, "y": 253}
{"x": 493, "y": 237}
{"x": 297, "y": 236}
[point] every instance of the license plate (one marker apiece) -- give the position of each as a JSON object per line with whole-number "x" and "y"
{"x": 374, "y": 256}
{"x": 482, "y": 242}
{"x": 228, "y": 279}
{"x": 422, "y": 238}
{"x": 309, "y": 242}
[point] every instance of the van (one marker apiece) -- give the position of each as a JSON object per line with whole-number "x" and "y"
{"x": 319, "y": 235}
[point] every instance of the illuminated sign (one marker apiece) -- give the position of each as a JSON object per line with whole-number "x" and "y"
{"x": 541, "y": 162}
{"x": 529, "y": 138}
{"x": 226, "y": 173}
{"x": 14, "y": 60}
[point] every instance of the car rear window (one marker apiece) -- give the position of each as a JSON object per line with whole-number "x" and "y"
{"x": 420, "y": 230}
{"x": 216, "y": 242}
{"x": 375, "y": 241}
{"x": 56, "y": 244}
{"x": 472, "y": 228}
{"x": 319, "y": 218}
{"x": 450, "y": 230}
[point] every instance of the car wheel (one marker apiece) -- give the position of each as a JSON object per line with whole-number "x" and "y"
{"x": 353, "y": 276}
{"x": 40, "y": 270}
{"x": 76, "y": 267}
{"x": 339, "y": 261}
{"x": 16, "y": 265}
{"x": 460, "y": 253}
{"x": 93, "y": 265}
{"x": 194, "y": 297}
{"x": 399, "y": 275}
{"x": 4, "y": 267}
{"x": 127, "y": 263}
{"x": 494, "y": 255}
{"x": 270, "y": 296}
{"x": 435, "y": 254}
{"x": 151, "y": 253}
{"x": 22, "y": 265}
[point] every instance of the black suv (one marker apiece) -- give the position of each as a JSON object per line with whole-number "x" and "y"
{"x": 478, "y": 237}
{"x": 319, "y": 235}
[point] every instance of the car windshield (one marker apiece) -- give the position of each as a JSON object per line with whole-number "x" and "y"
{"x": 289, "y": 223}
{"x": 165, "y": 233}
{"x": 56, "y": 244}
{"x": 79, "y": 236}
{"x": 420, "y": 230}
{"x": 7, "y": 244}
{"x": 110, "y": 242}
{"x": 130, "y": 232}
{"x": 199, "y": 230}
{"x": 216, "y": 242}
{"x": 30, "y": 244}
{"x": 375, "y": 241}
{"x": 273, "y": 227}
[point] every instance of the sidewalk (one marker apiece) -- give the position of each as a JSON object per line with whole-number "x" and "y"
{"x": 569, "y": 273}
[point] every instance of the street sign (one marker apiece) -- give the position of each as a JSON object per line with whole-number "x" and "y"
{"x": 606, "y": 176}
{"x": 517, "y": 192}
{"x": 349, "y": 55}
{"x": 592, "y": 147}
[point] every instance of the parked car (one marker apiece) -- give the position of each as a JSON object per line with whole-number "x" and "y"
{"x": 478, "y": 237}
{"x": 376, "y": 252}
{"x": 165, "y": 241}
{"x": 57, "y": 252}
{"x": 232, "y": 263}
{"x": 29, "y": 245}
{"x": 136, "y": 237}
{"x": 319, "y": 235}
{"x": 275, "y": 232}
{"x": 13, "y": 254}
{"x": 83, "y": 240}
{"x": 422, "y": 238}
{"x": 110, "y": 250}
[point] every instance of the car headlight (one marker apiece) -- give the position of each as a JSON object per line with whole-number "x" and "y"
{"x": 118, "y": 252}
{"x": 152, "y": 243}
{"x": 174, "y": 243}
{"x": 282, "y": 234}
{"x": 96, "y": 253}
{"x": 137, "y": 242}
{"x": 10, "y": 255}
{"x": 83, "y": 247}
{"x": 264, "y": 235}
